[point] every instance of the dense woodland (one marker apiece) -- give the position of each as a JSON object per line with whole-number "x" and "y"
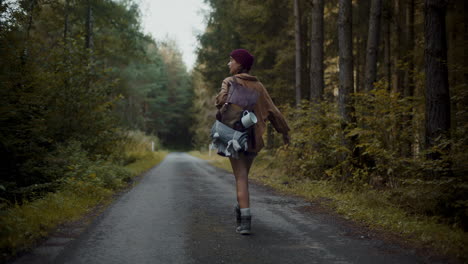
{"x": 375, "y": 92}
{"x": 76, "y": 77}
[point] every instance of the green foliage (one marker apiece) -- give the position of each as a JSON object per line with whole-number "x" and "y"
{"x": 82, "y": 184}
{"x": 174, "y": 117}
{"x": 24, "y": 224}
{"x": 316, "y": 146}
{"x": 77, "y": 168}
{"x": 376, "y": 208}
{"x": 62, "y": 104}
{"x": 135, "y": 145}
{"x": 390, "y": 157}
{"x": 385, "y": 126}
{"x": 158, "y": 95}
{"x": 262, "y": 27}
{"x": 203, "y": 111}
{"x": 50, "y": 96}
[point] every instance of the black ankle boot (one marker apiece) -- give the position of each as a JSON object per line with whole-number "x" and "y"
{"x": 244, "y": 227}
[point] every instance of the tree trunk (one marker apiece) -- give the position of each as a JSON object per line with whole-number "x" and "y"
{"x": 66, "y": 63}
{"x": 305, "y": 61}
{"x": 358, "y": 65}
{"x": 316, "y": 52}
{"x": 66, "y": 30}
{"x": 407, "y": 144}
{"x": 398, "y": 51}
{"x": 409, "y": 76}
{"x": 373, "y": 44}
{"x": 387, "y": 46}
{"x": 345, "y": 50}
{"x": 360, "y": 32}
{"x": 437, "y": 88}
{"x": 297, "y": 20}
{"x": 345, "y": 59}
{"x": 65, "y": 24}
{"x": 89, "y": 43}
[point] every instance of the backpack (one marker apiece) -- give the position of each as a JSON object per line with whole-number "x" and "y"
{"x": 240, "y": 98}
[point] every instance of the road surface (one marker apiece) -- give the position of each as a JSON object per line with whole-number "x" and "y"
{"x": 182, "y": 212}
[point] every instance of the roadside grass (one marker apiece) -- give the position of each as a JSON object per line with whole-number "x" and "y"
{"x": 23, "y": 225}
{"x": 146, "y": 162}
{"x": 214, "y": 159}
{"x": 368, "y": 207}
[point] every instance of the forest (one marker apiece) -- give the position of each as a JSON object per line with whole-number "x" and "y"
{"x": 84, "y": 95}
{"x": 80, "y": 75}
{"x": 375, "y": 93}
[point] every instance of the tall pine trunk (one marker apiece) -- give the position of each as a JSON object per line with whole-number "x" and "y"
{"x": 409, "y": 76}
{"x": 437, "y": 87}
{"x": 89, "y": 44}
{"x": 360, "y": 32}
{"x": 316, "y": 52}
{"x": 387, "y": 45}
{"x": 345, "y": 59}
{"x": 89, "y": 40}
{"x": 373, "y": 44}
{"x": 358, "y": 65}
{"x": 68, "y": 95}
{"x": 66, "y": 22}
{"x": 66, "y": 29}
{"x": 345, "y": 50}
{"x": 297, "y": 22}
{"x": 398, "y": 51}
{"x": 409, "y": 86}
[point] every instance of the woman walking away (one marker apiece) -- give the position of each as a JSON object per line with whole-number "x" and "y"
{"x": 263, "y": 108}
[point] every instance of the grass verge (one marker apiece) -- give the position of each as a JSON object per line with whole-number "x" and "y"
{"x": 22, "y": 225}
{"x": 214, "y": 159}
{"x": 370, "y": 208}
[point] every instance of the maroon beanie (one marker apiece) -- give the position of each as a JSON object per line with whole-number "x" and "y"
{"x": 243, "y": 57}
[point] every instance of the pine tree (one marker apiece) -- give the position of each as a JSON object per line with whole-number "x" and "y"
{"x": 373, "y": 44}
{"x": 437, "y": 87}
{"x": 316, "y": 51}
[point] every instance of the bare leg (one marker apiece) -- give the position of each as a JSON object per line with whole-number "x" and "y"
{"x": 249, "y": 162}
{"x": 241, "y": 168}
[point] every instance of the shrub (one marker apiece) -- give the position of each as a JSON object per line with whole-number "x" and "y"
{"x": 388, "y": 154}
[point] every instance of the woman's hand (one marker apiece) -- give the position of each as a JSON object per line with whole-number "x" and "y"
{"x": 286, "y": 139}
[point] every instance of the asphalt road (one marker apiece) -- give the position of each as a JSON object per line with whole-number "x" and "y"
{"x": 182, "y": 212}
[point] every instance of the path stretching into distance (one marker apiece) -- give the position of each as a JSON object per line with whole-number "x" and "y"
{"x": 182, "y": 212}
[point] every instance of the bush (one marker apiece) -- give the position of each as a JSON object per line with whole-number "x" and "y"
{"x": 316, "y": 141}
{"x": 81, "y": 182}
{"x": 388, "y": 154}
{"x": 133, "y": 146}
{"x": 71, "y": 165}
